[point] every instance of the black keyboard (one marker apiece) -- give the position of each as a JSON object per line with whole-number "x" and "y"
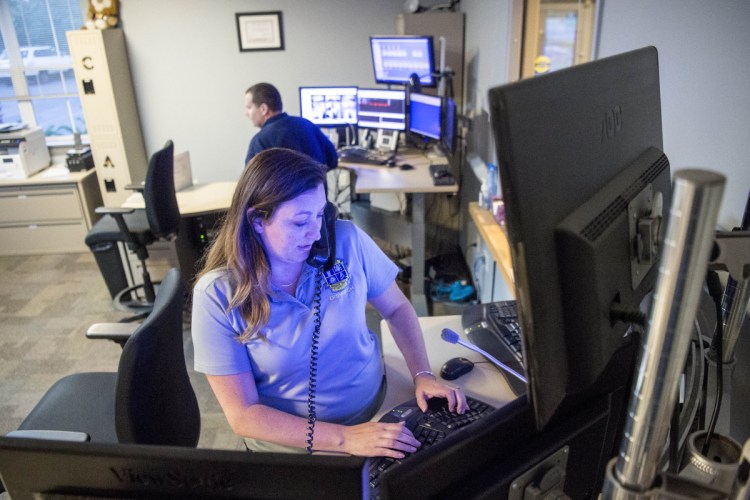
{"x": 356, "y": 154}
{"x": 441, "y": 175}
{"x": 494, "y": 328}
{"x": 429, "y": 428}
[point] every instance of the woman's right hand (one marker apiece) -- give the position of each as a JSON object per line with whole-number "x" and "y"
{"x": 376, "y": 439}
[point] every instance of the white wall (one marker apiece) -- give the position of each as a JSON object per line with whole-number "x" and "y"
{"x": 190, "y": 77}
{"x": 488, "y": 45}
{"x": 704, "y": 49}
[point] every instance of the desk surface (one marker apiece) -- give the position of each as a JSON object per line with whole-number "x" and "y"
{"x": 206, "y": 198}
{"x": 55, "y": 174}
{"x": 484, "y": 382}
{"x": 197, "y": 199}
{"x": 384, "y": 179}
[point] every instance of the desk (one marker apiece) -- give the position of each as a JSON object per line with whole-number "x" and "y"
{"x": 484, "y": 382}
{"x": 418, "y": 182}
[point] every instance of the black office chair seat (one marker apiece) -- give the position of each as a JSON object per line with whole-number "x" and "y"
{"x": 106, "y": 230}
{"x": 96, "y": 417}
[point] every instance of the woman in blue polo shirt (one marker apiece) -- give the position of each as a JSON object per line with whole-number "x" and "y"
{"x": 284, "y": 343}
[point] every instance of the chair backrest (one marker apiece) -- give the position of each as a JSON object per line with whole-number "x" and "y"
{"x": 155, "y": 402}
{"x": 159, "y": 193}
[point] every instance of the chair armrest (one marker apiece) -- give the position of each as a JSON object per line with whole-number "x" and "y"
{"x": 116, "y": 332}
{"x": 114, "y": 210}
{"x": 136, "y": 187}
{"x": 79, "y": 437}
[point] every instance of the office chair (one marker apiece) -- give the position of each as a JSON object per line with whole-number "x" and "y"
{"x": 149, "y": 400}
{"x": 137, "y": 229}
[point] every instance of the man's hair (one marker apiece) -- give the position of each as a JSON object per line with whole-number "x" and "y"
{"x": 265, "y": 93}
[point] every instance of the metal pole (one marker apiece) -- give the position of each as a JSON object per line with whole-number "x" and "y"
{"x": 689, "y": 238}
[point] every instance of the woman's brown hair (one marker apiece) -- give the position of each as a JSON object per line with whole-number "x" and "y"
{"x": 272, "y": 177}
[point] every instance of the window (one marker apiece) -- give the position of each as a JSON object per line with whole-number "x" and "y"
{"x": 37, "y": 84}
{"x": 557, "y": 34}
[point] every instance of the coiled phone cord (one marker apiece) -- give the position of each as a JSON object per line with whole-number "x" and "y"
{"x": 311, "y": 416}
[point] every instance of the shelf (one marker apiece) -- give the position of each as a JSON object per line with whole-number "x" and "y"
{"x": 496, "y": 239}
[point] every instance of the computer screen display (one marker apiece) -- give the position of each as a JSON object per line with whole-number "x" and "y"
{"x": 396, "y": 58}
{"x": 31, "y": 467}
{"x": 582, "y": 174}
{"x": 425, "y": 115}
{"x": 379, "y": 108}
{"x": 330, "y": 106}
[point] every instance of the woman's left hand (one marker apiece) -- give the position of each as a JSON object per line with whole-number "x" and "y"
{"x": 429, "y": 387}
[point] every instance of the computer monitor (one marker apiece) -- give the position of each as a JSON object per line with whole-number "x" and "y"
{"x": 581, "y": 168}
{"x": 33, "y": 468}
{"x": 381, "y": 109}
{"x": 425, "y": 116}
{"x": 396, "y": 58}
{"x": 449, "y": 135}
{"x": 329, "y": 106}
{"x": 577, "y": 148}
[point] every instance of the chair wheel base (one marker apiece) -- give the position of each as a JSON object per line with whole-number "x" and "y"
{"x": 123, "y": 302}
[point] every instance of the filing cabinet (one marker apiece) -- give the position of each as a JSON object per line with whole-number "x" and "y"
{"x": 43, "y": 214}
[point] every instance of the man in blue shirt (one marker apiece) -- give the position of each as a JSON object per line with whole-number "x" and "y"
{"x": 277, "y": 129}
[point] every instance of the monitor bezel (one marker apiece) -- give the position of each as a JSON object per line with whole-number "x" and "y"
{"x": 410, "y": 113}
{"x": 28, "y": 466}
{"x": 397, "y": 92}
{"x": 449, "y": 141}
{"x": 426, "y": 80}
{"x": 328, "y": 123}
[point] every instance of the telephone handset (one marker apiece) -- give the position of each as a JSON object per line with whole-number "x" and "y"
{"x": 323, "y": 252}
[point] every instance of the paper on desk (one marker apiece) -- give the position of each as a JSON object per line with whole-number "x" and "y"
{"x": 135, "y": 200}
{"x": 11, "y": 174}
{"x": 58, "y": 171}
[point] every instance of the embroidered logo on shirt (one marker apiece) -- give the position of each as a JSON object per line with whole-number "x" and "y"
{"x": 337, "y": 278}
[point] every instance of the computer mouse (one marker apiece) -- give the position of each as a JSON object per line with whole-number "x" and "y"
{"x": 406, "y": 166}
{"x": 391, "y": 162}
{"x": 455, "y": 367}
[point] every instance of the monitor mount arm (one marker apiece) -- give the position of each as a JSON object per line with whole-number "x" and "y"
{"x": 444, "y": 76}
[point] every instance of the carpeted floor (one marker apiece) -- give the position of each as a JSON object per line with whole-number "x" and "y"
{"x": 46, "y": 304}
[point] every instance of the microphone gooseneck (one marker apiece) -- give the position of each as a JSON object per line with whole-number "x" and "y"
{"x": 452, "y": 338}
